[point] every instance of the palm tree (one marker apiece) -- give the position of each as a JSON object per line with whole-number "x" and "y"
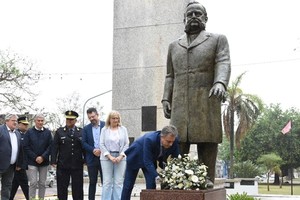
{"x": 242, "y": 111}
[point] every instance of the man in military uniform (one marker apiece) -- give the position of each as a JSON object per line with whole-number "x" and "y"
{"x": 20, "y": 178}
{"x": 67, "y": 156}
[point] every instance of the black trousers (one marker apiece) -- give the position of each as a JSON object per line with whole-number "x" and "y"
{"x": 20, "y": 179}
{"x": 63, "y": 180}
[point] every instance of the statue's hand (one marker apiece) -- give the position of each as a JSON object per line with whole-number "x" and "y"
{"x": 218, "y": 90}
{"x": 167, "y": 109}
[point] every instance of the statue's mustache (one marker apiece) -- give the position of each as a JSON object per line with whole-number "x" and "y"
{"x": 189, "y": 22}
{"x": 193, "y": 28}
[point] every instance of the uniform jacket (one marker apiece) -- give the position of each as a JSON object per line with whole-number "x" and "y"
{"x": 192, "y": 70}
{"x": 124, "y": 142}
{"x": 88, "y": 144}
{"x": 67, "y": 151}
{"x": 38, "y": 143}
{"x": 5, "y": 149}
{"x": 145, "y": 151}
{"x": 25, "y": 162}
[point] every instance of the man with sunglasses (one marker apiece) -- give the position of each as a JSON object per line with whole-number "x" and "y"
{"x": 68, "y": 158}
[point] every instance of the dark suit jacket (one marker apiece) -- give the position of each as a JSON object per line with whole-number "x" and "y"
{"x": 38, "y": 143}
{"x": 88, "y": 144}
{"x": 24, "y": 163}
{"x": 6, "y": 150}
{"x": 145, "y": 151}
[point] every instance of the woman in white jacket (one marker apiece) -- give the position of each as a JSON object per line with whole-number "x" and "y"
{"x": 113, "y": 143}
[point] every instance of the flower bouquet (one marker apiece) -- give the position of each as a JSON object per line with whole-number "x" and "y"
{"x": 184, "y": 173}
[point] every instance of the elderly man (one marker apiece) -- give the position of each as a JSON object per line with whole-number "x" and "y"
{"x": 11, "y": 155}
{"x": 37, "y": 145}
{"x": 198, "y": 71}
{"x": 145, "y": 153}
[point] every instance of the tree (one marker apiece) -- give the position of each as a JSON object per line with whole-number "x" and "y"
{"x": 71, "y": 102}
{"x": 245, "y": 108}
{"x": 265, "y": 137}
{"x": 272, "y": 162}
{"x": 17, "y": 76}
{"x": 246, "y": 169}
{"x": 260, "y": 138}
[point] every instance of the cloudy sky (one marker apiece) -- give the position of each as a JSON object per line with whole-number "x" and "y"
{"x": 71, "y": 42}
{"x": 264, "y": 40}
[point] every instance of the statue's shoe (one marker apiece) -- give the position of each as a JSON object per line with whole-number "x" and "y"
{"x": 209, "y": 184}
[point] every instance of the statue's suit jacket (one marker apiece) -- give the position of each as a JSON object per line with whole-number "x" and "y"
{"x": 6, "y": 149}
{"x": 192, "y": 70}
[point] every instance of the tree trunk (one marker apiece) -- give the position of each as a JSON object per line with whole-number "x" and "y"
{"x": 231, "y": 143}
{"x": 276, "y": 180}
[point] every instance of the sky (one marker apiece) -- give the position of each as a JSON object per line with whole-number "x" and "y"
{"x": 71, "y": 43}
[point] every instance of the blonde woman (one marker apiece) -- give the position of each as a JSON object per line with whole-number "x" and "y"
{"x": 113, "y": 143}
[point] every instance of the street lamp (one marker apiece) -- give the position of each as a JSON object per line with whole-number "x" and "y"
{"x": 90, "y": 99}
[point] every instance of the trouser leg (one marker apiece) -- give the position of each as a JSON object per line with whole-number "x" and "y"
{"x": 129, "y": 181}
{"x": 207, "y": 153}
{"x": 77, "y": 184}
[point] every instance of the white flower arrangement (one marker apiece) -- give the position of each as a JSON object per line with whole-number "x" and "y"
{"x": 184, "y": 173}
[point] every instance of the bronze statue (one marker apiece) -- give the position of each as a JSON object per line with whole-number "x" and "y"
{"x": 198, "y": 71}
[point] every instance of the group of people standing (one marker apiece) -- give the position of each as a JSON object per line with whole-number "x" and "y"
{"x": 25, "y": 156}
{"x": 194, "y": 90}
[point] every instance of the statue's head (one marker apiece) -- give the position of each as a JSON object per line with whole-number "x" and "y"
{"x": 195, "y": 17}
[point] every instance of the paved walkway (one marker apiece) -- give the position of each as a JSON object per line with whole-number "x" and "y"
{"x": 51, "y": 194}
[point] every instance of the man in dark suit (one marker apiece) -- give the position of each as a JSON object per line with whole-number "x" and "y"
{"x": 67, "y": 155}
{"x": 20, "y": 178}
{"x": 91, "y": 145}
{"x": 144, "y": 153}
{"x": 11, "y": 154}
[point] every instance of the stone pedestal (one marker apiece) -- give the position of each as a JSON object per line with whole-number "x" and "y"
{"x": 143, "y": 30}
{"x": 210, "y": 194}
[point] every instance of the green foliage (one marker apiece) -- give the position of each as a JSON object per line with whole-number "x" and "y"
{"x": 239, "y": 116}
{"x": 238, "y": 196}
{"x": 271, "y": 161}
{"x": 246, "y": 169}
{"x": 223, "y": 149}
{"x": 265, "y": 137}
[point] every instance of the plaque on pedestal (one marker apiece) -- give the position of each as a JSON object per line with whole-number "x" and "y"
{"x": 209, "y": 194}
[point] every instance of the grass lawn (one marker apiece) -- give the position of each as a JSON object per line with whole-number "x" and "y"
{"x": 275, "y": 189}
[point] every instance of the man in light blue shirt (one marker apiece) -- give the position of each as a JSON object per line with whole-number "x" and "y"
{"x": 91, "y": 145}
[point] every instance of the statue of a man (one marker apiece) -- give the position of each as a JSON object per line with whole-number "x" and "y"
{"x": 198, "y": 71}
